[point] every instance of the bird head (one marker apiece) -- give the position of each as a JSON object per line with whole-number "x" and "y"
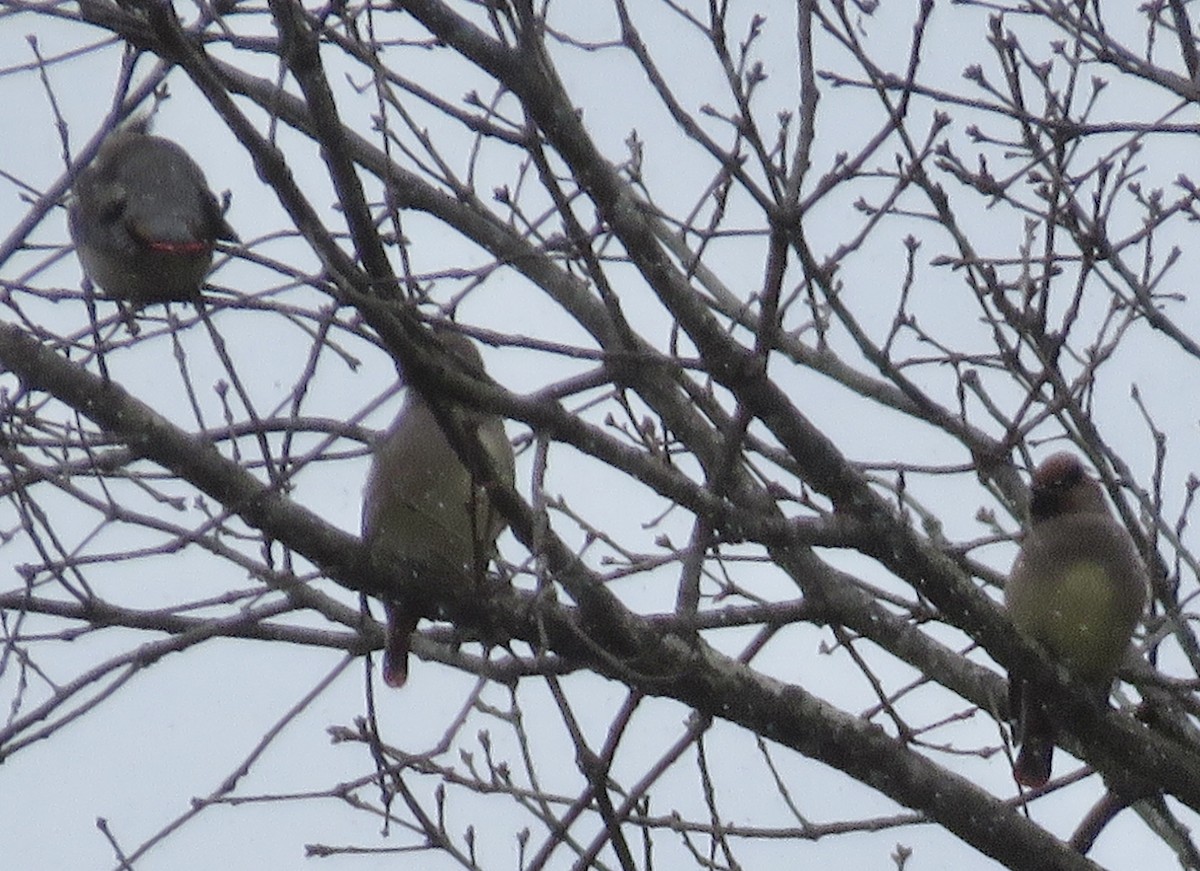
{"x": 1061, "y": 485}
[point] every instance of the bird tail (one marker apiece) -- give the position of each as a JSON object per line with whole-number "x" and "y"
{"x": 1032, "y": 768}
{"x": 400, "y": 627}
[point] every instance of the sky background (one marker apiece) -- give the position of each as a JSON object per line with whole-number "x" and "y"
{"x": 178, "y": 729}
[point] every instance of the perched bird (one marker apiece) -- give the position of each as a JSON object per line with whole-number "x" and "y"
{"x": 1077, "y": 588}
{"x": 422, "y": 506}
{"x": 143, "y": 219}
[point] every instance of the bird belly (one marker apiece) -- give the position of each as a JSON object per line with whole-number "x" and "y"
{"x": 1079, "y": 624}
{"x": 423, "y": 534}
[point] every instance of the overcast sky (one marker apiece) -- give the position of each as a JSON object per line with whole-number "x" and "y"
{"x": 178, "y": 729}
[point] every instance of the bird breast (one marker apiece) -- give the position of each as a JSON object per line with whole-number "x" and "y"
{"x": 1078, "y": 587}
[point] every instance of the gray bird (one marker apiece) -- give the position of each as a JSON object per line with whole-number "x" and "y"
{"x": 1077, "y": 588}
{"x": 422, "y": 506}
{"x": 143, "y": 219}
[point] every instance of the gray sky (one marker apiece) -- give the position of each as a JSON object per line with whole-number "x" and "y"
{"x": 177, "y": 730}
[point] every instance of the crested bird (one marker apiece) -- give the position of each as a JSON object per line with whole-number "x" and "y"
{"x": 144, "y": 220}
{"x": 1078, "y": 588}
{"x": 423, "y": 508}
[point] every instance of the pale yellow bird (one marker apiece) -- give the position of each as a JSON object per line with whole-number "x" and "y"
{"x": 1078, "y": 588}
{"x": 422, "y": 506}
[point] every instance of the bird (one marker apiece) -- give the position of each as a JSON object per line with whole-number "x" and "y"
{"x": 1077, "y": 587}
{"x": 143, "y": 219}
{"x": 423, "y": 508}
